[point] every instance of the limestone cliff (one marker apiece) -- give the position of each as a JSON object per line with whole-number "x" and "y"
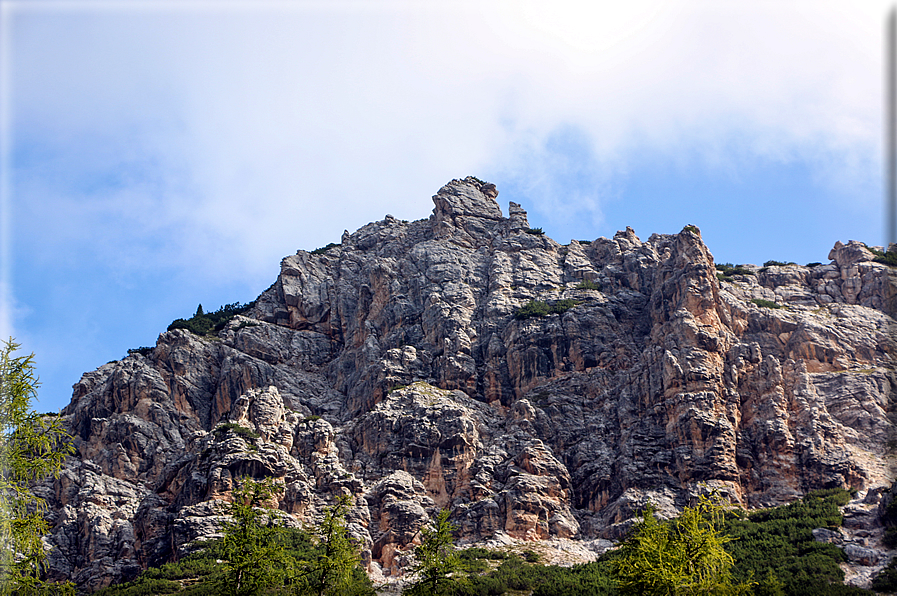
{"x": 392, "y": 368}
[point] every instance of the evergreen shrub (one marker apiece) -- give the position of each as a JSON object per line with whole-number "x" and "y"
{"x": 203, "y": 323}
{"x": 888, "y": 258}
{"x": 323, "y": 249}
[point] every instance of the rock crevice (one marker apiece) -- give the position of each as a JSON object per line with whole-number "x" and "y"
{"x": 392, "y": 368}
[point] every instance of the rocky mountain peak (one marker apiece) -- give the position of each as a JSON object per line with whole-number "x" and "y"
{"x": 469, "y": 197}
{"x": 466, "y": 211}
{"x": 539, "y": 390}
{"x": 851, "y": 253}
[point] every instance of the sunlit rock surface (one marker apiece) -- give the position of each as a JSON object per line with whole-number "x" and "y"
{"x": 392, "y": 368}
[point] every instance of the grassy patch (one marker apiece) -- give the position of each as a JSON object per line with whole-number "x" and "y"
{"x": 765, "y": 303}
{"x": 588, "y": 284}
{"x": 535, "y": 231}
{"x": 246, "y": 433}
{"x": 538, "y": 308}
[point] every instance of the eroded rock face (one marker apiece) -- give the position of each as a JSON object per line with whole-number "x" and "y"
{"x": 391, "y": 368}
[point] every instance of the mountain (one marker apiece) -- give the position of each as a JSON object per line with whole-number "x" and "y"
{"x": 468, "y": 361}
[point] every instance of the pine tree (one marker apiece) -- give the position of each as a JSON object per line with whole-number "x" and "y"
{"x": 31, "y": 447}
{"x": 255, "y": 560}
{"x": 684, "y": 557}
{"x": 436, "y": 559}
{"x": 337, "y": 555}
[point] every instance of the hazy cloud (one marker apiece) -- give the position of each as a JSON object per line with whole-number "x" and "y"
{"x": 203, "y": 141}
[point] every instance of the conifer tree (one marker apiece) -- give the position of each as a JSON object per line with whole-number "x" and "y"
{"x": 684, "y": 557}
{"x": 31, "y": 447}
{"x": 254, "y": 559}
{"x": 331, "y": 572}
{"x": 436, "y": 559}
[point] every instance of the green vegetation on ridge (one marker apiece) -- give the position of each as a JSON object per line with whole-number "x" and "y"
{"x": 588, "y": 284}
{"x": 888, "y": 258}
{"x": 727, "y": 271}
{"x": 203, "y": 323}
{"x": 258, "y": 556}
{"x": 710, "y": 549}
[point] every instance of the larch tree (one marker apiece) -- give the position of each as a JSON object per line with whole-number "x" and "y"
{"x": 683, "y": 557}
{"x": 436, "y": 559}
{"x": 32, "y": 447}
{"x": 255, "y": 560}
{"x": 337, "y": 556}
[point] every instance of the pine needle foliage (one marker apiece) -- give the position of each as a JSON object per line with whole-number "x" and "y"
{"x": 436, "y": 559}
{"x": 32, "y": 446}
{"x": 259, "y": 556}
{"x": 332, "y": 571}
{"x": 779, "y": 542}
{"x": 683, "y": 557}
{"x": 254, "y": 559}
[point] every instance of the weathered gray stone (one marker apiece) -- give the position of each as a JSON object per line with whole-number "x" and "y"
{"x": 861, "y": 556}
{"x": 391, "y": 368}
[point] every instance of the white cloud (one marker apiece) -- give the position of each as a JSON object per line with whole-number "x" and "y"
{"x": 269, "y": 129}
{"x": 200, "y": 142}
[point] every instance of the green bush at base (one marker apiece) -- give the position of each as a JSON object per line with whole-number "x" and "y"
{"x": 774, "y": 549}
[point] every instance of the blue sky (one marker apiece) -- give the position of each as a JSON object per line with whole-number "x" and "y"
{"x": 158, "y": 154}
